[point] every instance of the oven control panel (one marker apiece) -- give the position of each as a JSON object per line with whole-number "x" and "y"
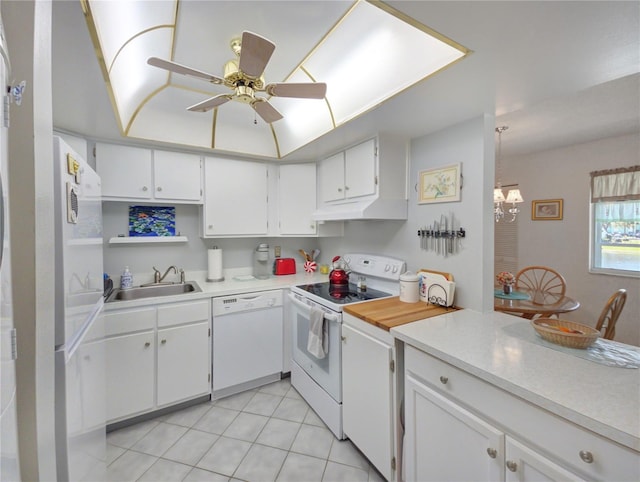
{"x": 384, "y": 267}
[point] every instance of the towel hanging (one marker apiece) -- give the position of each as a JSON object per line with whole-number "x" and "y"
{"x": 318, "y": 341}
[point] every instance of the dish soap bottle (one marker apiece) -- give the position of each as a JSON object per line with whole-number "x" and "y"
{"x": 126, "y": 280}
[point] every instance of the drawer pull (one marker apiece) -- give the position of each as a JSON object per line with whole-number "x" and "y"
{"x": 147, "y": 344}
{"x": 586, "y": 456}
{"x": 144, "y": 188}
{"x": 163, "y": 341}
{"x": 444, "y": 379}
{"x": 493, "y": 453}
{"x": 512, "y": 466}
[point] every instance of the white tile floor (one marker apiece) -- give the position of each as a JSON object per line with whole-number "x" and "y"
{"x": 267, "y": 434}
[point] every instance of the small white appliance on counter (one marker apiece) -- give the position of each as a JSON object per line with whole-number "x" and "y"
{"x": 80, "y": 391}
{"x": 316, "y": 368}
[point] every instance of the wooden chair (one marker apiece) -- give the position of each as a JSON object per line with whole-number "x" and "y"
{"x": 610, "y": 314}
{"x": 545, "y": 285}
{"x": 541, "y": 279}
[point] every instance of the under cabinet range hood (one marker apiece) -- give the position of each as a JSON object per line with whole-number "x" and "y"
{"x": 370, "y": 209}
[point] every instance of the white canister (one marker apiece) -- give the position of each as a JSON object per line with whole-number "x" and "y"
{"x": 409, "y": 288}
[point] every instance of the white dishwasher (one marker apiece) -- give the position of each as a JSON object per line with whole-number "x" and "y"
{"x": 247, "y": 341}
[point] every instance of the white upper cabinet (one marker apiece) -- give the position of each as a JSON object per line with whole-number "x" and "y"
{"x": 365, "y": 181}
{"x": 134, "y": 173}
{"x": 360, "y": 170}
{"x": 349, "y": 174}
{"x": 236, "y": 196}
{"x": 125, "y": 171}
{"x": 296, "y": 199}
{"x": 177, "y": 176}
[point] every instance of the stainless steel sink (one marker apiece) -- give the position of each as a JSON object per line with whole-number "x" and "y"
{"x": 153, "y": 291}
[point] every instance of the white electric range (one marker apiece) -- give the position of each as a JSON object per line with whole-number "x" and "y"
{"x": 319, "y": 379}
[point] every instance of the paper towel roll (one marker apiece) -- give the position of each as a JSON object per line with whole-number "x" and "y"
{"x": 215, "y": 265}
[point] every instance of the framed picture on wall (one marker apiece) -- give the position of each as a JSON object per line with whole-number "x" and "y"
{"x": 439, "y": 185}
{"x": 546, "y": 210}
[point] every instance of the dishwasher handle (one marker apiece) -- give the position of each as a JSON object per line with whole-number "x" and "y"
{"x": 307, "y": 309}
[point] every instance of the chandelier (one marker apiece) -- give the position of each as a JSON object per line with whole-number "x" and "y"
{"x": 513, "y": 196}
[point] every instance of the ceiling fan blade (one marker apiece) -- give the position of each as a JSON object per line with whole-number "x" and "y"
{"x": 265, "y": 110}
{"x": 300, "y": 90}
{"x": 184, "y": 70}
{"x": 210, "y": 103}
{"x": 255, "y": 54}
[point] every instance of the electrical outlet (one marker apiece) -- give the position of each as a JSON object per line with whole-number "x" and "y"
{"x": 276, "y": 250}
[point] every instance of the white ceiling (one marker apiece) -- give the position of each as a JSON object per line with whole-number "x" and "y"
{"x": 556, "y": 73}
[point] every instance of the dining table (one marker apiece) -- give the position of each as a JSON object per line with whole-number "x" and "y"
{"x": 529, "y": 303}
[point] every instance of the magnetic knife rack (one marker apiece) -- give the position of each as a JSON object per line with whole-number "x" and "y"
{"x": 441, "y": 241}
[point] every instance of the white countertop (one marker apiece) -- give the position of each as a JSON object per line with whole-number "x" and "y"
{"x": 605, "y": 400}
{"x": 229, "y": 286}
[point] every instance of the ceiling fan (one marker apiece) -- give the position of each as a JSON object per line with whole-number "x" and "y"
{"x": 244, "y": 76}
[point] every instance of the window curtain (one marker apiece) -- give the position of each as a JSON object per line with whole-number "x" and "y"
{"x": 612, "y": 185}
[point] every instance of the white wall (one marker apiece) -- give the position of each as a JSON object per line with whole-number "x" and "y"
{"x": 28, "y": 30}
{"x": 471, "y": 144}
{"x": 191, "y": 256}
{"x": 564, "y": 245}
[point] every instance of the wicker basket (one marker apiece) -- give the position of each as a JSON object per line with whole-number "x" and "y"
{"x": 572, "y": 340}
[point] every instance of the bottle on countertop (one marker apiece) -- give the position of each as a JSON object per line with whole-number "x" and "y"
{"x": 126, "y": 280}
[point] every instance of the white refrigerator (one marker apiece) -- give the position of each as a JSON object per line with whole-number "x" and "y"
{"x": 80, "y": 406}
{"x": 9, "y": 466}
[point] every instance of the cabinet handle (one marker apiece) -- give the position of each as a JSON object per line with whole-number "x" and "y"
{"x": 145, "y": 188}
{"x": 444, "y": 380}
{"x": 512, "y": 466}
{"x": 339, "y": 189}
{"x": 147, "y": 344}
{"x": 493, "y": 453}
{"x": 346, "y": 188}
{"x": 159, "y": 189}
{"x": 344, "y": 339}
{"x": 210, "y": 226}
{"x": 586, "y": 456}
{"x": 163, "y": 341}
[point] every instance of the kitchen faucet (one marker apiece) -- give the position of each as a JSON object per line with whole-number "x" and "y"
{"x": 156, "y": 275}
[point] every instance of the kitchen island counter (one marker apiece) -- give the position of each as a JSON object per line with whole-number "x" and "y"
{"x": 603, "y": 399}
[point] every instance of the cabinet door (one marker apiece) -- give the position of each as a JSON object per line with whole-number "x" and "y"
{"x": 331, "y": 172}
{"x": 526, "y": 465}
{"x": 360, "y": 170}
{"x": 177, "y": 176}
{"x": 367, "y": 390}
{"x": 235, "y": 197}
{"x": 296, "y": 198}
{"x": 125, "y": 171}
{"x": 130, "y": 374}
{"x": 444, "y": 441}
{"x": 183, "y": 362}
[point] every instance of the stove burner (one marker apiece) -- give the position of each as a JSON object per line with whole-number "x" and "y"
{"x": 342, "y": 293}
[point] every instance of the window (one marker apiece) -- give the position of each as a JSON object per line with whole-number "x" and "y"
{"x": 615, "y": 221}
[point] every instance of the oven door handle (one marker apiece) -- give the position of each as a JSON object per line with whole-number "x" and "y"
{"x": 307, "y": 308}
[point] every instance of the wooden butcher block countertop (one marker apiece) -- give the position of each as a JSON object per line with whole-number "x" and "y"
{"x": 389, "y": 312}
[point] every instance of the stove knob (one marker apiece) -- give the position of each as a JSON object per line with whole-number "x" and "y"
{"x": 395, "y": 268}
{"x": 387, "y": 267}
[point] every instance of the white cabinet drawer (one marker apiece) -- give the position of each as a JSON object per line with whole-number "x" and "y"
{"x": 181, "y": 313}
{"x": 555, "y": 437}
{"x": 121, "y": 322}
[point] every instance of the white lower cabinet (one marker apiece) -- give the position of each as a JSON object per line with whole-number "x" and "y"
{"x": 157, "y": 356}
{"x": 130, "y": 374}
{"x": 183, "y": 362}
{"x": 368, "y": 392}
{"x": 459, "y": 427}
